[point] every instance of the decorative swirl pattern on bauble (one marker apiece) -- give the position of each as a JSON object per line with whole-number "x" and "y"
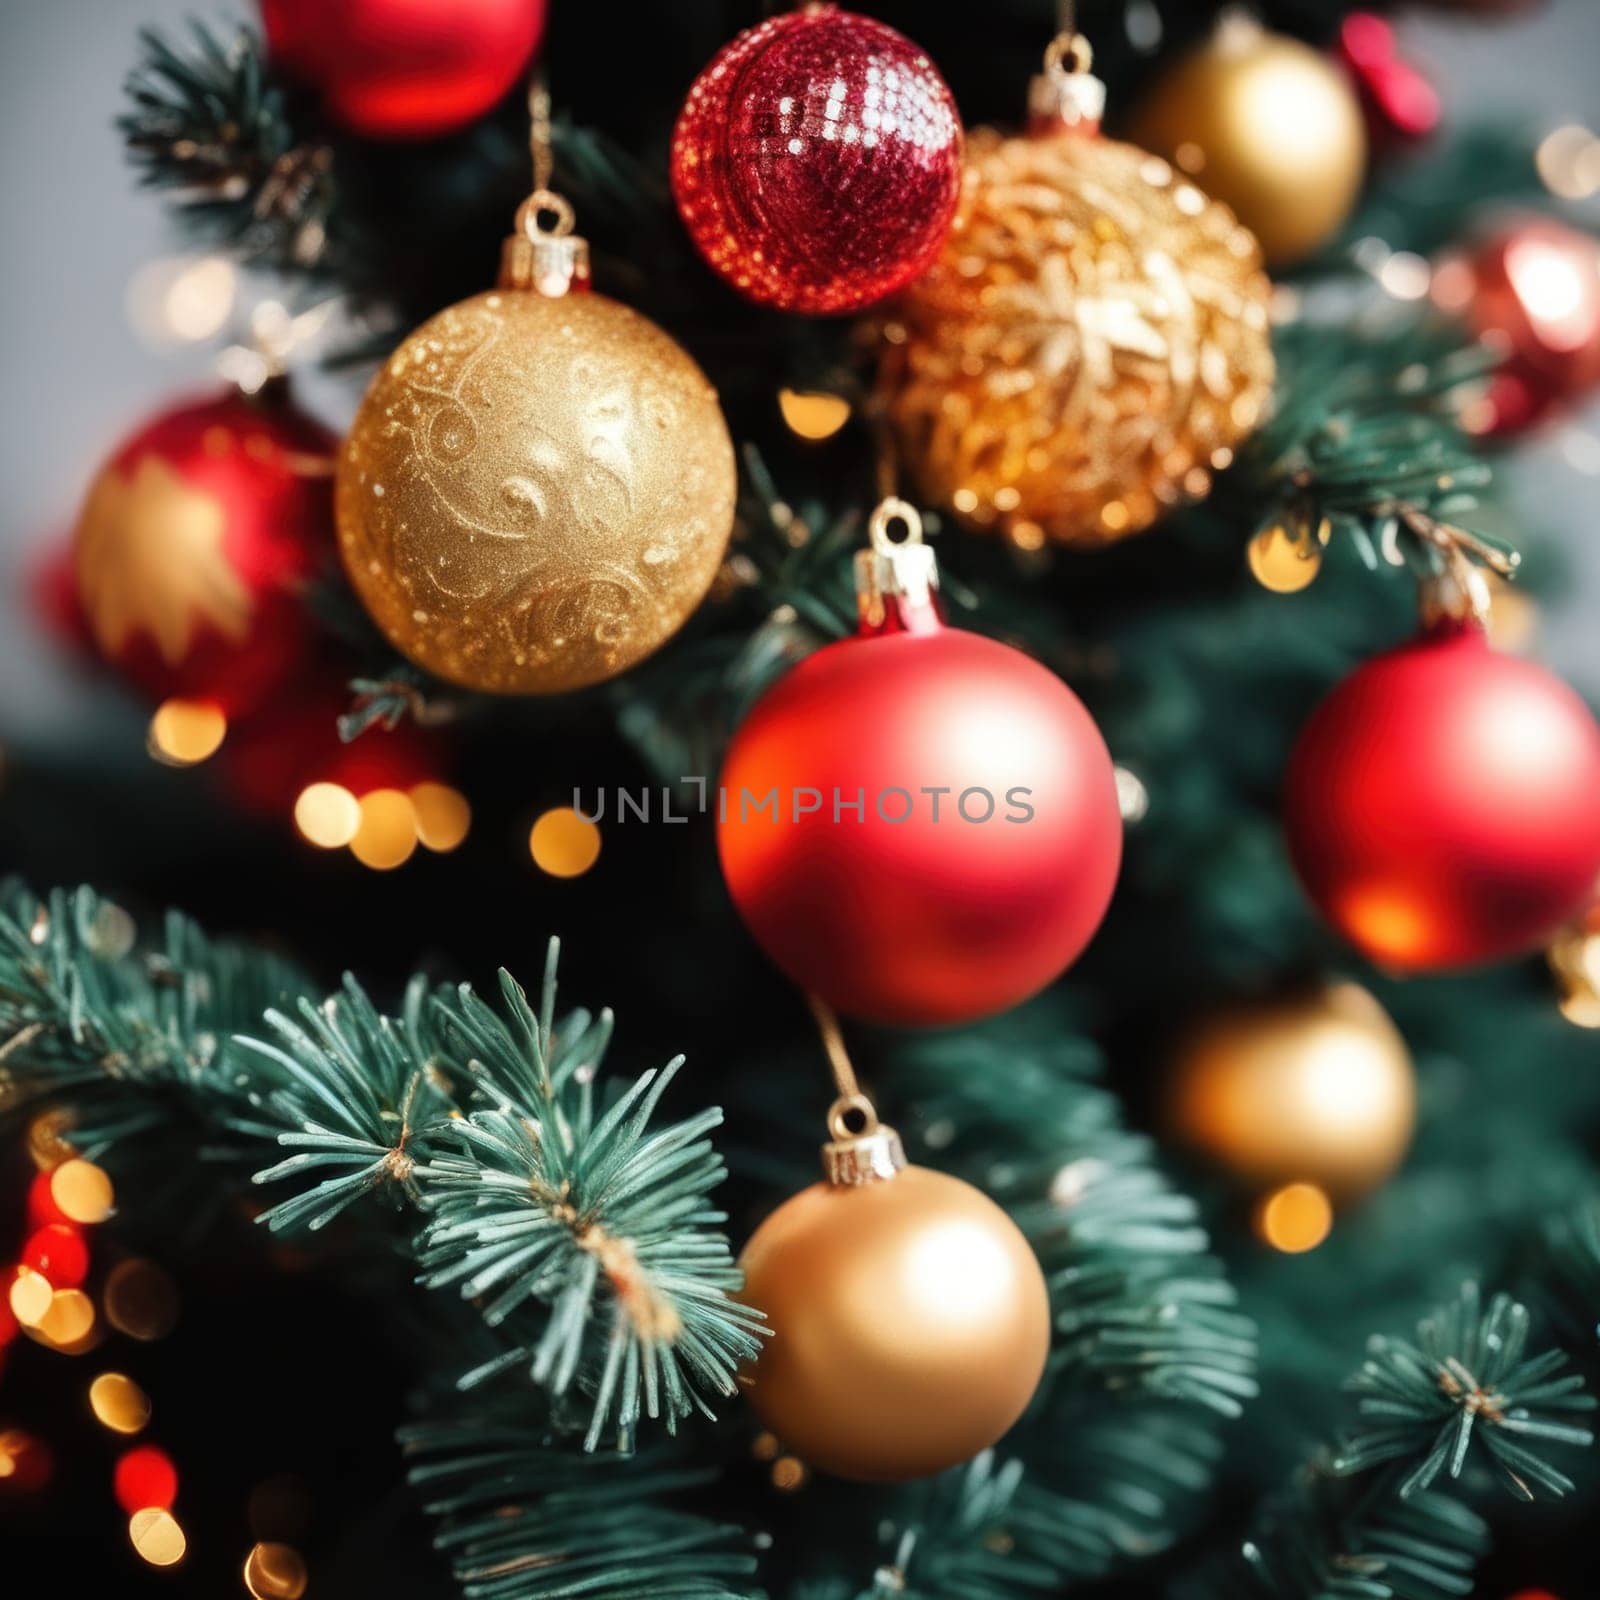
{"x": 536, "y": 492}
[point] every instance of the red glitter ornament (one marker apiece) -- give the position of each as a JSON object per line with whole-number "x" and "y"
{"x": 1440, "y": 804}
{"x": 406, "y": 69}
{"x": 59, "y": 1254}
{"x": 1533, "y": 289}
{"x": 817, "y": 161}
{"x": 940, "y": 835}
{"x": 144, "y": 1478}
{"x": 196, "y": 541}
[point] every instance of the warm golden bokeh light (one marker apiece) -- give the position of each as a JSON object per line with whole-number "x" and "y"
{"x": 1282, "y": 560}
{"x": 386, "y": 836}
{"x": 119, "y": 1403}
{"x": 141, "y": 1300}
{"x": 69, "y": 1322}
{"x": 48, "y": 1144}
{"x": 564, "y": 844}
{"x": 442, "y": 816}
{"x": 82, "y": 1192}
{"x": 185, "y": 732}
{"x": 327, "y": 815}
{"x": 157, "y": 1537}
{"x": 30, "y": 1297}
{"x": 813, "y": 414}
{"x": 275, "y": 1572}
{"x": 789, "y": 1474}
{"x": 1295, "y": 1218}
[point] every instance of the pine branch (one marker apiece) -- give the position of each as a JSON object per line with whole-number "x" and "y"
{"x": 1365, "y": 441}
{"x": 211, "y": 124}
{"x": 1467, "y": 1377}
{"x": 86, "y": 1013}
{"x": 525, "y": 1519}
{"x": 584, "y": 1233}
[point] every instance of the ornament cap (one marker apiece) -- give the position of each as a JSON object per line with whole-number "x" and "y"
{"x": 1066, "y": 97}
{"x": 549, "y": 259}
{"x": 897, "y": 579}
{"x": 862, "y": 1149}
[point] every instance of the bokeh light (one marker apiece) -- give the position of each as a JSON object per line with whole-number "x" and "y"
{"x": 327, "y": 815}
{"x": 185, "y": 732}
{"x": 157, "y": 1537}
{"x": 564, "y": 844}
{"x": 386, "y": 836}
{"x": 144, "y": 1478}
{"x": 119, "y": 1403}
{"x": 57, "y": 1252}
{"x": 275, "y": 1571}
{"x": 1295, "y": 1218}
{"x": 81, "y": 1191}
{"x": 141, "y": 1300}
{"x": 443, "y": 816}
{"x": 812, "y": 413}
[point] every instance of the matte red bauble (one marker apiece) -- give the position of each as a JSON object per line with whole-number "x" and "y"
{"x": 1441, "y": 804}
{"x": 196, "y": 542}
{"x": 817, "y": 161}
{"x": 406, "y": 69}
{"x": 1533, "y": 290}
{"x": 918, "y": 824}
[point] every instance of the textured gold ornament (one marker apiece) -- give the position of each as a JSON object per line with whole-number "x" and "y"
{"x": 1088, "y": 348}
{"x": 910, "y": 1320}
{"x": 538, "y": 487}
{"x": 1267, "y": 125}
{"x": 150, "y": 559}
{"x": 1312, "y": 1087}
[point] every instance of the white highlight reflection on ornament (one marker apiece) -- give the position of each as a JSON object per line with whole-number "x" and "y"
{"x": 955, "y": 1272}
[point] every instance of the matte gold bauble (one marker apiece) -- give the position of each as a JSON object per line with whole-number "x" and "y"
{"x": 1313, "y": 1087}
{"x": 1269, "y": 126}
{"x": 536, "y": 493}
{"x": 1087, "y": 349}
{"x": 910, "y": 1320}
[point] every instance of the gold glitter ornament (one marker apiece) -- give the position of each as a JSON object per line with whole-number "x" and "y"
{"x": 538, "y": 488}
{"x": 1092, "y": 342}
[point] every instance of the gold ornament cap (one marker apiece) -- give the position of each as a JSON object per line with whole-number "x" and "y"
{"x": 896, "y": 579}
{"x": 862, "y": 1149}
{"x": 1066, "y": 97}
{"x": 550, "y": 259}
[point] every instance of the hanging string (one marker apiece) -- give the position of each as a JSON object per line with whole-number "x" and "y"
{"x": 844, "y": 1075}
{"x": 540, "y": 142}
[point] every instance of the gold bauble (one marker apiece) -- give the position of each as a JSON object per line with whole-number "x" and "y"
{"x": 1314, "y": 1087}
{"x": 910, "y": 1323}
{"x": 1088, "y": 348}
{"x": 1267, "y": 125}
{"x": 536, "y": 493}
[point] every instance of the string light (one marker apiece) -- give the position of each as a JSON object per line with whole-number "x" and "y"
{"x": 1569, "y": 162}
{"x": 812, "y": 413}
{"x": 275, "y": 1572}
{"x": 69, "y": 1324}
{"x": 81, "y": 1191}
{"x": 47, "y": 1139}
{"x": 1295, "y": 1218}
{"x": 184, "y": 733}
{"x": 145, "y": 1479}
{"x": 327, "y": 815}
{"x": 387, "y": 834}
{"x": 564, "y": 844}
{"x": 443, "y": 816}
{"x": 30, "y": 1297}
{"x": 141, "y": 1300}
{"x": 788, "y": 1474}
{"x": 119, "y": 1403}
{"x": 157, "y": 1537}
{"x": 58, "y": 1253}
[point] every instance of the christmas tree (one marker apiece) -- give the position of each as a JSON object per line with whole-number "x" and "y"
{"x": 953, "y": 565}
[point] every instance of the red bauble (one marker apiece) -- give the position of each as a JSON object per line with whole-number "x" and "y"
{"x": 196, "y": 542}
{"x": 59, "y": 1254}
{"x": 145, "y": 1477}
{"x": 1441, "y": 804}
{"x": 894, "y": 916}
{"x": 406, "y": 69}
{"x": 1533, "y": 290}
{"x": 817, "y": 161}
